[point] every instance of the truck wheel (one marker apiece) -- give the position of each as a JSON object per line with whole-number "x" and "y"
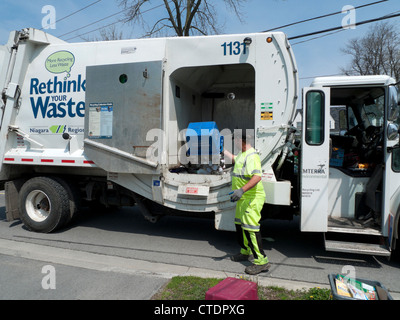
{"x": 44, "y": 204}
{"x": 73, "y": 197}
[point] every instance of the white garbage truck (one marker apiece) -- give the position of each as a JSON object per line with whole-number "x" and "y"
{"x": 145, "y": 122}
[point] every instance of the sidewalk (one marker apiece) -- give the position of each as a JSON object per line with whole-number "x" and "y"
{"x": 105, "y": 263}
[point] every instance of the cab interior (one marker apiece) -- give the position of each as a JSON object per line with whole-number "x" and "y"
{"x": 356, "y": 153}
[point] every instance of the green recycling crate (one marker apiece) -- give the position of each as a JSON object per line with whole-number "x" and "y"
{"x": 345, "y": 288}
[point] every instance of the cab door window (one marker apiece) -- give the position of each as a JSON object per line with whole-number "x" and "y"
{"x": 315, "y": 115}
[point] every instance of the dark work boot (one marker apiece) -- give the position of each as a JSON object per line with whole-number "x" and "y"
{"x": 256, "y": 269}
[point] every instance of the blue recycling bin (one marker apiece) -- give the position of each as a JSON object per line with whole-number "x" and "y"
{"x": 204, "y": 138}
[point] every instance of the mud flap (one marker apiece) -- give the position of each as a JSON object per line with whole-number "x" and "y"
{"x": 11, "y": 189}
{"x": 225, "y": 220}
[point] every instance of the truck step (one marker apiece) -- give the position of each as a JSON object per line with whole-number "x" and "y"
{"x": 360, "y": 231}
{"x": 351, "y": 226}
{"x": 354, "y": 247}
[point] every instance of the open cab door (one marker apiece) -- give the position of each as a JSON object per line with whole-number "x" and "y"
{"x": 315, "y": 159}
{"x": 391, "y": 179}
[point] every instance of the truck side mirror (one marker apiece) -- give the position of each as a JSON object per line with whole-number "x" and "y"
{"x": 392, "y": 131}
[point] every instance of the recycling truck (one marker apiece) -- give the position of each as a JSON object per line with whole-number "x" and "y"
{"x": 145, "y": 122}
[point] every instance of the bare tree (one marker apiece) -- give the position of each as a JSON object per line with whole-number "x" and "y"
{"x": 111, "y": 33}
{"x": 377, "y": 53}
{"x": 106, "y": 34}
{"x": 182, "y": 17}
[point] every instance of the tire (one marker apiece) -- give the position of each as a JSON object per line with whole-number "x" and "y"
{"x": 73, "y": 197}
{"x": 44, "y": 204}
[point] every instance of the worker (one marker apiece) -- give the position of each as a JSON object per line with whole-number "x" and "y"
{"x": 249, "y": 194}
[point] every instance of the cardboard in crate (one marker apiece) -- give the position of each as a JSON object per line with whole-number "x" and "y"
{"x": 233, "y": 289}
{"x": 357, "y": 289}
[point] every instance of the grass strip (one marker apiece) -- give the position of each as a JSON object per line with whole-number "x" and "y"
{"x": 195, "y": 288}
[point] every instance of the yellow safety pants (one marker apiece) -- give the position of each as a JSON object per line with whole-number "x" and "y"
{"x": 247, "y": 221}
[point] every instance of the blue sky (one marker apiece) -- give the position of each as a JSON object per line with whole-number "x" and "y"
{"x": 314, "y": 58}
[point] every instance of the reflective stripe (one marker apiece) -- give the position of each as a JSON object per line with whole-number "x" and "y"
{"x": 245, "y": 162}
{"x": 240, "y": 176}
{"x": 247, "y": 226}
{"x": 250, "y": 227}
{"x": 247, "y": 165}
{"x": 249, "y": 156}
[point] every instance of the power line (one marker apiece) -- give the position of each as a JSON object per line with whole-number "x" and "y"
{"x": 118, "y": 21}
{"x": 334, "y": 32}
{"x": 105, "y": 18}
{"x": 85, "y": 33}
{"x": 324, "y": 16}
{"x": 349, "y": 26}
{"x": 90, "y": 24}
{"x": 75, "y": 12}
{"x": 322, "y": 36}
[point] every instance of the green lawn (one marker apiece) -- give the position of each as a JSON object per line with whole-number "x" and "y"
{"x": 195, "y": 288}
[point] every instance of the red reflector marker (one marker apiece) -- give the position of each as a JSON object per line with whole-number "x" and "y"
{"x": 67, "y": 161}
{"x": 47, "y": 160}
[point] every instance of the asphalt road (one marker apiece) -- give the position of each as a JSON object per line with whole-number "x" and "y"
{"x": 119, "y": 255}
{"x": 30, "y": 279}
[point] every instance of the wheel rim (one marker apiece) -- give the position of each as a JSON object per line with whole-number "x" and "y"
{"x": 38, "y": 206}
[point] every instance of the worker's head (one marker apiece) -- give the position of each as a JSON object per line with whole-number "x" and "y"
{"x": 244, "y": 141}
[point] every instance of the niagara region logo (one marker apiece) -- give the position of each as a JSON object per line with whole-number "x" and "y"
{"x": 58, "y": 129}
{"x": 60, "y": 62}
{"x": 67, "y": 128}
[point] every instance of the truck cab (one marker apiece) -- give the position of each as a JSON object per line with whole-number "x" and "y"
{"x": 350, "y": 176}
